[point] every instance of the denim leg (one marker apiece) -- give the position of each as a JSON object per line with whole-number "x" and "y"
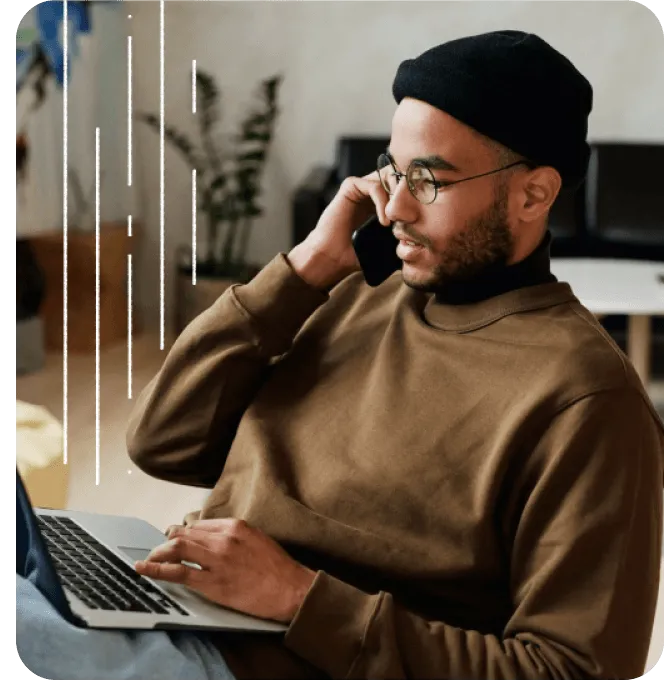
{"x": 53, "y": 648}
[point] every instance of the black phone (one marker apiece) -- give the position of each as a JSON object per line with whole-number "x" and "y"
{"x": 376, "y": 250}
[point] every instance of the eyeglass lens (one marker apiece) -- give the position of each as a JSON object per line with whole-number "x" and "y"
{"x": 419, "y": 177}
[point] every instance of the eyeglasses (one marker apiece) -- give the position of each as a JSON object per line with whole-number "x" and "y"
{"x": 420, "y": 180}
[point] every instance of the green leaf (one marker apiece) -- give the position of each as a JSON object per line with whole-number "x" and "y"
{"x": 251, "y": 136}
{"x": 209, "y": 116}
{"x": 179, "y": 140}
{"x": 248, "y": 185}
{"x": 253, "y": 211}
{"x": 271, "y": 88}
{"x": 247, "y": 192}
{"x": 246, "y": 173}
{"x": 257, "y": 119}
{"x": 252, "y": 156}
{"x": 219, "y": 182}
{"x": 264, "y": 134}
{"x": 206, "y": 85}
{"x": 150, "y": 119}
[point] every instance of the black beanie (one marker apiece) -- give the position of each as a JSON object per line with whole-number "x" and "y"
{"x": 512, "y": 87}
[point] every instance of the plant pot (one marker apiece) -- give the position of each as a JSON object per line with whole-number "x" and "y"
{"x": 114, "y": 245}
{"x": 192, "y": 299}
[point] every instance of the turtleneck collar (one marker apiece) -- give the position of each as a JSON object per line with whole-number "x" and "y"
{"x": 527, "y": 284}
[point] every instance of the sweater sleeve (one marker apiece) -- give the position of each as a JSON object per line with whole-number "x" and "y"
{"x": 584, "y": 570}
{"x": 184, "y": 421}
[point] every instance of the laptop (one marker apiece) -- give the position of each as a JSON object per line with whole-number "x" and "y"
{"x": 93, "y": 556}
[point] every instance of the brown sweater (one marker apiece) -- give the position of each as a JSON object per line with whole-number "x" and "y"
{"x": 478, "y": 482}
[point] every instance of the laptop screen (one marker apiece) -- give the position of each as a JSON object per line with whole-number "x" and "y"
{"x": 33, "y": 560}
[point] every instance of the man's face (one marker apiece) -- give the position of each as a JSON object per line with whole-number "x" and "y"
{"x": 467, "y": 227}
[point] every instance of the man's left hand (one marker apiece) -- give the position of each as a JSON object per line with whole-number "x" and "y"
{"x": 241, "y": 568}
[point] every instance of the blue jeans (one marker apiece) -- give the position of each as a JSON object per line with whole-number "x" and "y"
{"x": 52, "y": 643}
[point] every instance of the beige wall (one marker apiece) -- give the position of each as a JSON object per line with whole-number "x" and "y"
{"x": 339, "y": 59}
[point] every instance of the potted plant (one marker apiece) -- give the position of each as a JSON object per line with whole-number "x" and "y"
{"x": 228, "y": 177}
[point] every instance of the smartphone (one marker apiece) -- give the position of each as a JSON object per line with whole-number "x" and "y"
{"x": 376, "y": 250}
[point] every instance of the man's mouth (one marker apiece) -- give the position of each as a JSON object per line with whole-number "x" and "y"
{"x": 408, "y": 250}
{"x": 405, "y": 240}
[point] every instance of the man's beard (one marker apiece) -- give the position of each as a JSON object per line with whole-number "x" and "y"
{"x": 485, "y": 245}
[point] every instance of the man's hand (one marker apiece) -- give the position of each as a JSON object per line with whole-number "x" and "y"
{"x": 241, "y": 568}
{"x": 326, "y": 256}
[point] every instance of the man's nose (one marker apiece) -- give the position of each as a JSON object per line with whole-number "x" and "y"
{"x": 402, "y": 205}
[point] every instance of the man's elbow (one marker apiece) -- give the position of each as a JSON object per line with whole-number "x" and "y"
{"x": 142, "y": 454}
{"x": 172, "y": 463}
{"x": 147, "y": 452}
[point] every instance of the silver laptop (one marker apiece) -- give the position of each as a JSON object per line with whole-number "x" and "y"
{"x": 93, "y": 557}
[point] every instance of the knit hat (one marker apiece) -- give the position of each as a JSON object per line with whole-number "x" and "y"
{"x": 512, "y": 87}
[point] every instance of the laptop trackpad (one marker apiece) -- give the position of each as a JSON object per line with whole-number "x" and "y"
{"x": 134, "y": 554}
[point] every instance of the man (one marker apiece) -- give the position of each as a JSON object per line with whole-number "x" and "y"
{"x": 456, "y": 474}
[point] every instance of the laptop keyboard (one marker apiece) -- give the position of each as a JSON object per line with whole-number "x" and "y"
{"x": 98, "y": 577}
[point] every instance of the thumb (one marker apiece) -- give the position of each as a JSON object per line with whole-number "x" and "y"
{"x": 171, "y": 528}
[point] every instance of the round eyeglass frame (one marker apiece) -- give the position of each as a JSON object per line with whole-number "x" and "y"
{"x": 436, "y": 184}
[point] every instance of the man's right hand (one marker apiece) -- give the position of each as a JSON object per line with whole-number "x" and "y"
{"x": 326, "y": 256}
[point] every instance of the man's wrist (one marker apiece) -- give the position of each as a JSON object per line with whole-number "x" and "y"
{"x": 314, "y": 267}
{"x": 299, "y": 592}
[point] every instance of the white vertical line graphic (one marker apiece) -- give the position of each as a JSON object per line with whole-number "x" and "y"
{"x": 128, "y": 225}
{"x": 194, "y": 249}
{"x": 161, "y": 174}
{"x": 129, "y": 108}
{"x": 97, "y": 306}
{"x": 65, "y": 235}
{"x": 129, "y": 315}
{"x": 193, "y": 86}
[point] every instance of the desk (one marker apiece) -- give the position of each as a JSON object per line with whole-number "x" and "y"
{"x": 625, "y": 287}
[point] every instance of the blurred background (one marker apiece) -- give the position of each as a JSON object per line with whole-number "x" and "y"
{"x": 267, "y": 106}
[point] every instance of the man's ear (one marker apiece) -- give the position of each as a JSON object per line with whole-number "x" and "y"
{"x": 540, "y": 189}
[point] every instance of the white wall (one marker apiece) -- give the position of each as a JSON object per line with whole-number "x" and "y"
{"x": 97, "y": 77}
{"x": 339, "y": 60}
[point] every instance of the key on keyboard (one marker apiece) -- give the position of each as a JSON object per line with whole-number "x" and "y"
{"x": 96, "y": 575}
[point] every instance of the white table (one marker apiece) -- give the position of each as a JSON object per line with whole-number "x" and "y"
{"x": 625, "y": 287}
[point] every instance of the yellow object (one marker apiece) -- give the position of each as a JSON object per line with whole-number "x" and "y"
{"x": 39, "y": 456}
